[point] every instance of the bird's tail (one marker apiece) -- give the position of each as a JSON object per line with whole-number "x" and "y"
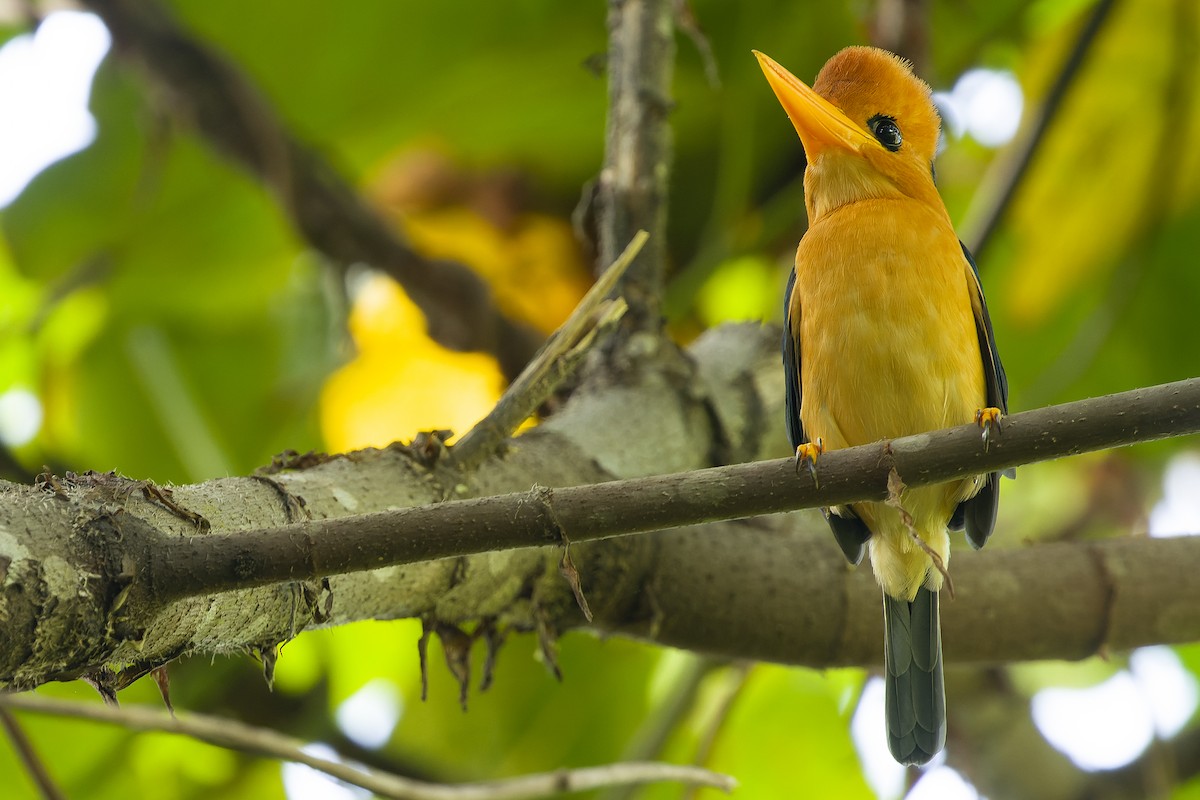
{"x": 915, "y": 693}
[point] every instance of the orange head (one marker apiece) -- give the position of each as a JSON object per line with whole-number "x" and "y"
{"x": 868, "y": 126}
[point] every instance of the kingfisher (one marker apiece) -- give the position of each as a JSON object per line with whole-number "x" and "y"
{"x": 887, "y": 334}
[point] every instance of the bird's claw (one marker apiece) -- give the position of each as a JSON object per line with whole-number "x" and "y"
{"x": 989, "y": 420}
{"x": 807, "y": 454}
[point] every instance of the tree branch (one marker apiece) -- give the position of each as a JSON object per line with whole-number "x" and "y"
{"x": 632, "y": 188}
{"x": 233, "y": 735}
{"x": 211, "y": 94}
{"x": 542, "y": 516}
{"x": 81, "y": 586}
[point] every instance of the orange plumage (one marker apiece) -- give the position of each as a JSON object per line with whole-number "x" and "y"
{"x": 887, "y": 335}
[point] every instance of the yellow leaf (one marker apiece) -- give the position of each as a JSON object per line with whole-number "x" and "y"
{"x": 402, "y": 382}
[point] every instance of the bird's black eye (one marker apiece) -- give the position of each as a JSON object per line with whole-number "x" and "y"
{"x": 886, "y": 131}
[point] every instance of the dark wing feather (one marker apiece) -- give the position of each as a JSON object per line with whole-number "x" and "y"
{"x": 850, "y": 532}
{"x": 791, "y": 371}
{"x": 993, "y": 370}
{"x": 978, "y": 514}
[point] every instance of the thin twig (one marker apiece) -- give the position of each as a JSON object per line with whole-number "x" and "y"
{"x": 29, "y": 757}
{"x": 235, "y": 735}
{"x": 977, "y": 231}
{"x": 685, "y": 20}
{"x": 553, "y": 364}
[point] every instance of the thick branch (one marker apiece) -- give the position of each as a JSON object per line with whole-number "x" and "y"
{"x": 791, "y": 599}
{"x": 225, "y": 107}
{"x": 76, "y": 595}
{"x": 542, "y": 516}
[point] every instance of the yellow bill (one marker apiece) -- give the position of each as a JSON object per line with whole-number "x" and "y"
{"x": 820, "y": 123}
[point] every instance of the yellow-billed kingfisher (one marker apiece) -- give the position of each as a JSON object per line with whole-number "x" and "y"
{"x": 887, "y": 334}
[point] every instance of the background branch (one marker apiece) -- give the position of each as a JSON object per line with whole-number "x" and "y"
{"x": 234, "y": 735}
{"x": 632, "y": 188}
{"x": 1152, "y": 215}
{"x": 902, "y": 26}
{"x": 214, "y": 96}
{"x": 996, "y": 742}
{"x": 999, "y": 190}
{"x": 29, "y": 757}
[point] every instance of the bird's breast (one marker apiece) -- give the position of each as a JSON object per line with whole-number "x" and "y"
{"x": 886, "y": 334}
{"x": 882, "y": 313}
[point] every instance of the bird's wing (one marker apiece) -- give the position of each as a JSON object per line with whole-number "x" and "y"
{"x": 791, "y": 370}
{"x": 850, "y": 532}
{"x": 993, "y": 370}
{"x": 978, "y": 514}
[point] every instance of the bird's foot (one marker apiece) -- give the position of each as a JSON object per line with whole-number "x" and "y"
{"x": 807, "y": 454}
{"x": 989, "y": 420}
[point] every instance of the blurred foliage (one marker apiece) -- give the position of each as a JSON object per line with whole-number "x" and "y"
{"x": 530, "y": 260}
{"x": 173, "y": 325}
